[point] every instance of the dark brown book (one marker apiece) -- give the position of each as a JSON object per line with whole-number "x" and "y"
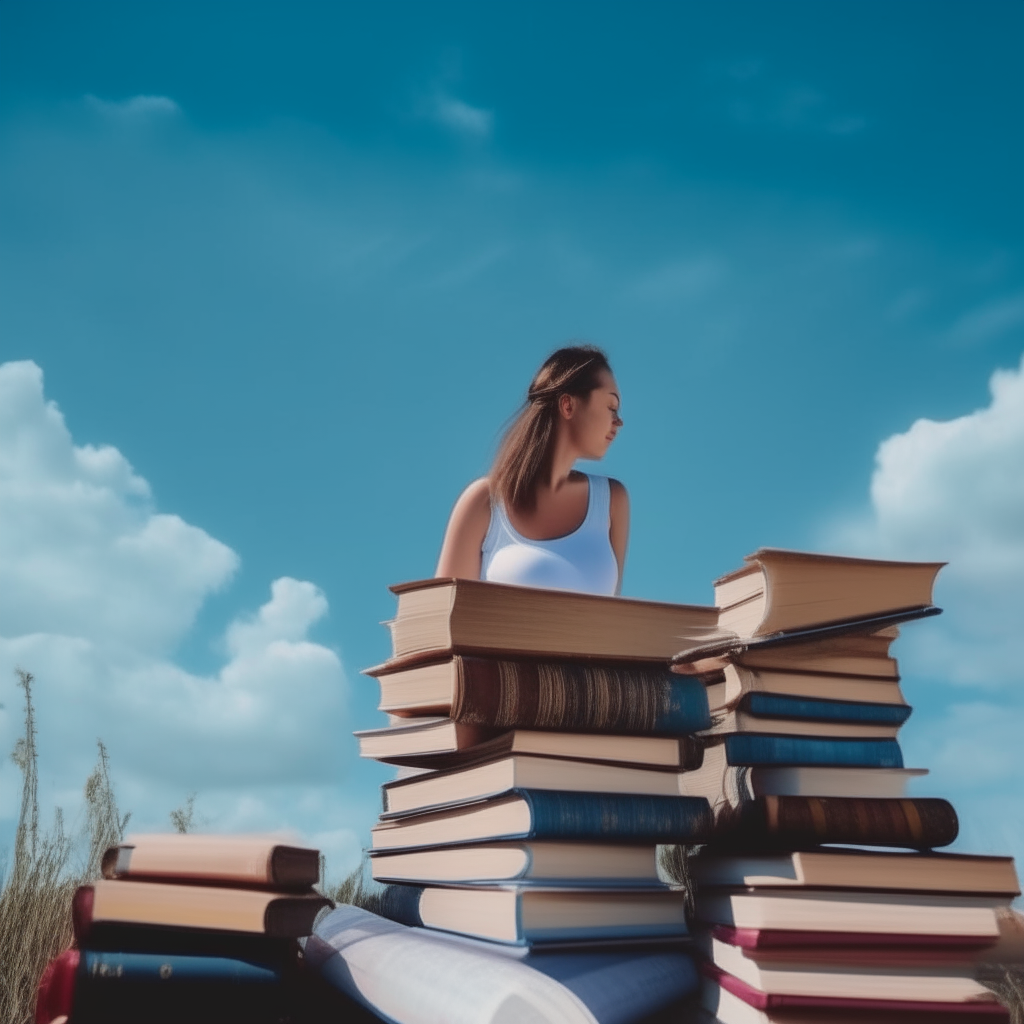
{"x": 801, "y": 822}
{"x": 439, "y": 617}
{"x": 638, "y": 698}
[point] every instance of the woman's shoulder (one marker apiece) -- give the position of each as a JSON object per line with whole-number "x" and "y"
{"x": 475, "y": 501}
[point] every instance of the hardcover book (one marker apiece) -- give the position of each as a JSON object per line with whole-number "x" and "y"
{"x": 246, "y": 860}
{"x": 440, "y": 744}
{"x": 781, "y": 591}
{"x": 638, "y": 698}
{"x": 552, "y": 862}
{"x": 537, "y": 915}
{"x": 440, "y": 617}
{"x": 553, "y": 815}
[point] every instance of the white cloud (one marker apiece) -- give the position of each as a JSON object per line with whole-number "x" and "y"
{"x": 135, "y": 107}
{"x": 96, "y": 588}
{"x": 459, "y": 117}
{"x": 954, "y": 491}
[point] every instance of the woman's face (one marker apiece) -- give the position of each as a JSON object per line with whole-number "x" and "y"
{"x": 594, "y": 421}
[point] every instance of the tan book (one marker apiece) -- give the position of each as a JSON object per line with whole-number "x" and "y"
{"x": 876, "y": 913}
{"x": 441, "y": 743}
{"x": 462, "y": 785}
{"x": 740, "y": 680}
{"x": 247, "y": 860}
{"x": 783, "y": 591}
{"x": 727, "y": 786}
{"x": 447, "y": 616}
{"x": 575, "y": 863}
{"x": 861, "y": 869}
{"x": 534, "y": 915}
{"x": 281, "y": 915}
{"x": 853, "y": 655}
{"x": 730, "y": 722}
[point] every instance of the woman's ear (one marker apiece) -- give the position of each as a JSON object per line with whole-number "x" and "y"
{"x": 566, "y": 406}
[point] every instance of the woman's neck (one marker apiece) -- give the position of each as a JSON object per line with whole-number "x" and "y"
{"x": 563, "y": 458}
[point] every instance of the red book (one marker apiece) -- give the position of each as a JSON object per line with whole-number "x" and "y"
{"x": 57, "y": 988}
{"x": 779, "y": 1001}
{"x": 775, "y": 938}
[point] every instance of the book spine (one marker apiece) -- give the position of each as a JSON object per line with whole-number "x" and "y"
{"x": 771, "y": 705}
{"x": 797, "y": 822}
{"x": 112, "y": 968}
{"x": 754, "y": 749}
{"x": 631, "y": 699}
{"x": 668, "y": 819}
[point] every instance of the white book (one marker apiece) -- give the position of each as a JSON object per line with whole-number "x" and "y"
{"x": 417, "y": 976}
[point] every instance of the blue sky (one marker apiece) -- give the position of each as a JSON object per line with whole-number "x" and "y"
{"x": 294, "y": 265}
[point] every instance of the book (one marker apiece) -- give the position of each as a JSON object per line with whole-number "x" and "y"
{"x": 274, "y": 914}
{"x": 554, "y": 815}
{"x": 935, "y": 983}
{"x": 246, "y": 860}
{"x": 780, "y": 591}
{"x": 440, "y": 617}
{"x": 479, "y": 782}
{"x": 433, "y": 745}
{"x": 732, "y": 1002}
{"x": 861, "y": 869}
{"x": 738, "y": 680}
{"x": 115, "y": 987}
{"x": 845, "y": 653}
{"x": 534, "y": 915}
{"x": 575, "y": 863}
{"x": 798, "y": 822}
{"x": 637, "y": 698}
{"x": 978, "y": 998}
{"x": 808, "y": 716}
{"x": 875, "y": 913}
{"x": 727, "y": 786}
{"x": 752, "y": 749}
{"x": 831, "y": 945}
{"x": 419, "y": 976}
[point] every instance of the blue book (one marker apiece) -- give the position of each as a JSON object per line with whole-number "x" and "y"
{"x": 419, "y": 976}
{"x": 750, "y": 749}
{"x": 112, "y": 987}
{"x": 552, "y": 814}
{"x": 813, "y": 709}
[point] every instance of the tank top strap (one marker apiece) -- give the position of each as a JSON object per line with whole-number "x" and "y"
{"x": 599, "y": 511}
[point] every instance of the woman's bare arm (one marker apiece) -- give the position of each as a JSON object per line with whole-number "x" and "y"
{"x": 619, "y": 530}
{"x": 467, "y": 527}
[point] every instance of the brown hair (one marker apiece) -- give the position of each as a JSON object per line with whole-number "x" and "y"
{"x": 525, "y": 451}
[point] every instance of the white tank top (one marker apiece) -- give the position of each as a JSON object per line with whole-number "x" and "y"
{"x": 582, "y": 560}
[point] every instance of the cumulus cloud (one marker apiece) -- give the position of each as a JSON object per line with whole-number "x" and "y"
{"x": 96, "y": 589}
{"x": 954, "y": 491}
{"x": 134, "y": 107}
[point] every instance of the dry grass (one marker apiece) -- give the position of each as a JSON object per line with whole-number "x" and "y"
{"x": 35, "y": 901}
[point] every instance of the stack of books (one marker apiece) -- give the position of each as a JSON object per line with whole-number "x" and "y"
{"x": 802, "y": 760}
{"x": 187, "y": 927}
{"x": 544, "y": 747}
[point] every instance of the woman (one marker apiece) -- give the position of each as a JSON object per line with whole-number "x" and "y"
{"x": 534, "y": 520}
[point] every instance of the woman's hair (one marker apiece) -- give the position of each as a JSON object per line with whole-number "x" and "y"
{"x": 525, "y": 451}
